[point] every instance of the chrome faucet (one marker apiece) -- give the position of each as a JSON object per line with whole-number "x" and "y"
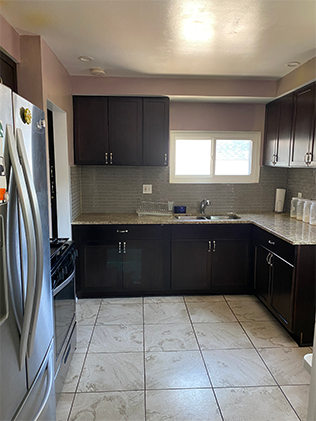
{"x": 203, "y": 205}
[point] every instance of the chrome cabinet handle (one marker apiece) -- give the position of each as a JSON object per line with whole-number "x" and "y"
{"x": 121, "y": 231}
{"x": 124, "y": 247}
{"x": 166, "y": 158}
{"x": 268, "y": 258}
{"x": 310, "y": 158}
{"x": 209, "y": 246}
{"x": 306, "y": 158}
{"x": 106, "y": 158}
{"x": 111, "y": 158}
{"x": 271, "y": 242}
{"x": 120, "y": 247}
{"x": 214, "y": 246}
{"x": 274, "y": 159}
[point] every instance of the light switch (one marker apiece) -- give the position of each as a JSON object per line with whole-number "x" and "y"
{"x": 147, "y": 188}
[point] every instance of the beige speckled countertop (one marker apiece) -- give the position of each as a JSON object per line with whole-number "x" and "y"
{"x": 289, "y": 229}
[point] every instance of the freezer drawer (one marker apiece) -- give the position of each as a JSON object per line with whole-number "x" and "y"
{"x": 40, "y": 404}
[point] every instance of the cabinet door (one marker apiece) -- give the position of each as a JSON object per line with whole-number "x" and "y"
{"x": 90, "y": 130}
{"x": 286, "y": 106}
{"x": 230, "y": 264}
{"x": 282, "y": 289}
{"x": 262, "y": 273}
{"x": 190, "y": 265}
{"x": 271, "y": 134}
{"x": 156, "y": 131}
{"x": 125, "y": 131}
{"x": 102, "y": 265}
{"x": 142, "y": 265}
{"x": 304, "y": 115}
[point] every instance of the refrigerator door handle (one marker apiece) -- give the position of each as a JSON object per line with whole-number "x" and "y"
{"x": 38, "y": 237}
{"x": 49, "y": 385}
{"x": 30, "y": 242}
{"x": 5, "y": 314}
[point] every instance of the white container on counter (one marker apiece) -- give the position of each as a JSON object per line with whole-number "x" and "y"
{"x": 293, "y": 210}
{"x": 306, "y": 210}
{"x": 312, "y": 213}
{"x": 299, "y": 209}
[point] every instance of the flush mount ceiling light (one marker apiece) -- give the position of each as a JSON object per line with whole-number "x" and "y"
{"x": 293, "y": 64}
{"x": 85, "y": 58}
{"x": 97, "y": 71}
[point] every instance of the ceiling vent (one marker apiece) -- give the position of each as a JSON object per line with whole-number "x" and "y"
{"x": 97, "y": 71}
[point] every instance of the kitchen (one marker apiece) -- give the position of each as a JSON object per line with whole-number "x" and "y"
{"x": 236, "y": 106}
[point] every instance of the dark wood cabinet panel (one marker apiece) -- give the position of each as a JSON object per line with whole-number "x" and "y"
{"x": 303, "y": 127}
{"x": 278, "y": 132}
{"x": 90, "y": 130}
{"x": 155, "y": 131}
{"x": 143, "y": 266}
{"x": 113, "y": 263}
{"x": 262, "y": 273}
{"x": 282, "y": 289}
{"x": 271, "y": 133}
{"x": 125, "y": 130}
{"x": 190, "y": 266}
{"x": 286, "y": 107}
{"x": 230, "y": 266}
{"x": 121, "y": 130}
{"x": 102, "y": 268}
{"x": 8, "y": 72}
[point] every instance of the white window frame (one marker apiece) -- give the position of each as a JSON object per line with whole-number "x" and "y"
{"x": 253, "y": 177}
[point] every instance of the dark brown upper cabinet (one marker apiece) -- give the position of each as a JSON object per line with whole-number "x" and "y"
{"x": 125, "y": 131}
{"x": 302, "y": 148}
{"x": 8, "y": 72}
{"x": 278, "y": 132}
{"x": 121, "y": 130}
{"x": 91, "y": 130}
{"x": 156, "y": 131}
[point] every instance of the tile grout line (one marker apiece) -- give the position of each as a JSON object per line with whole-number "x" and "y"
{"x": 84, "y": 361}
{"x": 204, "y": 363}
{"x": 263, "y": 359}
{"x": 144, "y": 358}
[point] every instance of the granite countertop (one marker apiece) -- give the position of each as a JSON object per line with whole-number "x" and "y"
{"x": 289, "y": 229}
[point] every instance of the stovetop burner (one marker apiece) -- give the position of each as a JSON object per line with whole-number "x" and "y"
{"x": 59, "y": 247}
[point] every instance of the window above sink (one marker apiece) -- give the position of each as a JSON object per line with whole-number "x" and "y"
{"x": 214, "y": 157}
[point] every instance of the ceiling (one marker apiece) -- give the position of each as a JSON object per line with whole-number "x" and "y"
{"x": 172, "y": 38}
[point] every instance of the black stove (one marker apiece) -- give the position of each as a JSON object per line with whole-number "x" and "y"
{"x": 59, "y": 249}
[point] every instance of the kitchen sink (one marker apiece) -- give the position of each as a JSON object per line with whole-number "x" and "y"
{"x": 190, "y": 218}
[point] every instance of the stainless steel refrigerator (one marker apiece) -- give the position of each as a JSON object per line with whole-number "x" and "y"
{"x": 27, "y": 391}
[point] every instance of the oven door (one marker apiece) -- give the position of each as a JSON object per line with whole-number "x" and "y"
{"x": 64, "y": 300}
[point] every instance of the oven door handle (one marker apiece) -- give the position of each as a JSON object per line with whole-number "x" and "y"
{"x": 59, "y": 287}
{"x": 38, "y": 237}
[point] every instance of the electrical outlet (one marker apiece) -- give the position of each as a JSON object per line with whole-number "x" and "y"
{"x": 147, "y": 188}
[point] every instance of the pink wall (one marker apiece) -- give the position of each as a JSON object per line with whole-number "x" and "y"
{"x": 9, "y": 39}
{"x": 216, "y": 117}
{"x": 56, "y": 88}
{"x": 222, "y": 87}
{"x": 29, "y": 70}
{"x": 299, "y": 77}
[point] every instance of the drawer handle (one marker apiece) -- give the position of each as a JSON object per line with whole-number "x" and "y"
{"x": 271, "y": 242}
{"x": 121, "y": 231}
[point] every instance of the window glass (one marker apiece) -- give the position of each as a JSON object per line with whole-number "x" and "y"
{"x": 233, "y": 157}
{"x": 193, "y": 157}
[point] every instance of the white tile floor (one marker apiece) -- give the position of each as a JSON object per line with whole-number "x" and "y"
{"x": 209, "y": 358}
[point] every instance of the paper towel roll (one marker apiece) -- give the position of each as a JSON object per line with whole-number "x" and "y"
{"x": 279, "y": 200}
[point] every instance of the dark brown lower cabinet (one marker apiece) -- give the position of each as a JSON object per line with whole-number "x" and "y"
{"x": 190, "y": 266}
{"x": 274, "y": 283}
{"x": 212, "y": 265}
{"x": 284, "y": 280}
{"x": 116, "y": 261}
